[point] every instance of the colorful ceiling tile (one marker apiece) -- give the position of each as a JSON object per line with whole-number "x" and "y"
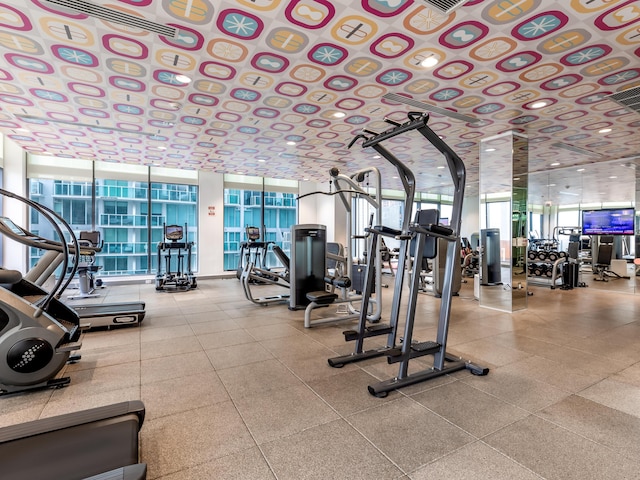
{"x": 291, "y": 82}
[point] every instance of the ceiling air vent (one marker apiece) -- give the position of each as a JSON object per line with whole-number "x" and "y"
{"x": 116, "y": 16}
{"x": 394, "y": 97}
{"x": 629, "y": 98}
{"x": 574, "y": 149}
{"x": 445, "y": 6}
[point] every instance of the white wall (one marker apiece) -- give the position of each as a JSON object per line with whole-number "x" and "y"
{"x": 210, "y": 224}
{"x": 14, "y": 254}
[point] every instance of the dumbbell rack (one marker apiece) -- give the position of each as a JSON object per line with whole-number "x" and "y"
{"x": 544, "y": 267}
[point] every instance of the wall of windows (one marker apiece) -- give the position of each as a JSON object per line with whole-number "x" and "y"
{"x": 264, "y": 203}
{"x": 122, "y": 202}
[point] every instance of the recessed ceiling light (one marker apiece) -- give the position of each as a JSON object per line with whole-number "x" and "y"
{"x": 291, "y": 143}
{"x": 580, "y": 170}
{"x": 376, "y": 156}
{"x": 516, "y": 178}
{"x": 440, "y": 167}
{"x": 428, "y": 62}
{"x": 183, "y": 79}
{"x": 339, "y": 114}
{"x": 239, "y": 171}
{"x": 21, "y": 130}
{"x": 555, "y": 164}
{"x": 538, "y": 104}
{"x": 490, "y": 150}
{"x": 613, "y": 176}
{"x": 551, "y": 185}
{"x": 604, "y": 130}
{"x": 261, "y": 160}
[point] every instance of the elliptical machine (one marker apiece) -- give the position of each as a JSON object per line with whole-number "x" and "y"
{"x": 37, "y": 331}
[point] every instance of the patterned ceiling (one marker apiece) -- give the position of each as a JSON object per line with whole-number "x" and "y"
{"x": 269, "y": 76}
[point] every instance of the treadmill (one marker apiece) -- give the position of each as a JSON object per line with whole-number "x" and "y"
{"x": 95, "y": 315}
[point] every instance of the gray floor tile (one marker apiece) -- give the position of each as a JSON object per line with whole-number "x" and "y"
{"x": 347, "y": 391}
{"x": 175, "y": 366}
{"x": 244, "y": 465}
{"x": 250, "y": 379}
{"x": 175, "y": 442}
{"x": 236, "y": 355}
{"x": 282, "y": 412}
{"x": 331, "y": 451}
{"x": 608, "y": 426}
{"x": 475, "y": 461}
{"x": 556, "y": 453}
{"x": 169, "y": 347}
{"x": 167, "y": 397}
{"x": 619, "y": 395}
{"x": 408, "y": 433}
{"x": 226, "y": 338}
{"x": 457, "y": 402}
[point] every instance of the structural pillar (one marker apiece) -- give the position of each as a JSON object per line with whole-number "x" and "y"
{"x": 503, "y": 221}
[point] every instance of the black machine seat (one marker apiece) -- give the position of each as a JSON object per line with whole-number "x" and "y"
{"x": 323, "y": 297}
{"x": 603, "y": 262}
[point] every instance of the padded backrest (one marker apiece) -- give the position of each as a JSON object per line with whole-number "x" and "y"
{"x": 605, "y": 250}
{"x": 284, "y": 259}
{"x": 606, "y": 238}
{"x": 334, "y": 248}
{"x": 573, "y": 249}
{"x": 424, "y": 218}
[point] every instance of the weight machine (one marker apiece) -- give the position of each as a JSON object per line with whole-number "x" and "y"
{"x": 349, "y": 190}
{"x": 172, "y": 249}
{"x": 427, "y": 230}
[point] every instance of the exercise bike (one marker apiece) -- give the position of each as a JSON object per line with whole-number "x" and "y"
{"x": 38, "y": 332}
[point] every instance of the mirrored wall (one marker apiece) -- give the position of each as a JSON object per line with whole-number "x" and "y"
{"x": 558, "y": 200}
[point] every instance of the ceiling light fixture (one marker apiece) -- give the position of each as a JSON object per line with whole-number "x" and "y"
{"x": 604, "y": 130}
{"x": 490, "y": 150}
{"x": 183, "y": 79}
{"x": 291, "y": 143}
{"x": 580, "y": 170}
{"x": 555, "y": 164}
{"x": 429, "y": 62}
{"x": 538, "y": 104}
{"x": 339, "y": 114}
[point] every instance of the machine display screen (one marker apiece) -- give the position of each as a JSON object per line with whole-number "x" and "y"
{"x": 608, "y": 221}
{"x": 12, "y": 226}
{"x": 174, "y": 232}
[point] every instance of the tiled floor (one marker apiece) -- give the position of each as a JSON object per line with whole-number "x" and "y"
{"x": 237, "y": 391}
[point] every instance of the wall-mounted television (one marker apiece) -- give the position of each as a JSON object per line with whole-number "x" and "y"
{"x": 610, "y": 221}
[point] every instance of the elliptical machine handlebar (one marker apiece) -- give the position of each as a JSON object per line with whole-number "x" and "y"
{"x": 61, "y": 284}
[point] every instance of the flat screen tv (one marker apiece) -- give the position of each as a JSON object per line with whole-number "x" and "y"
{"x": 618, "y": 221}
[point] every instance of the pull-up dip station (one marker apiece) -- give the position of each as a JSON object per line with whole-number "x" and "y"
{"x": 424, "y": 232}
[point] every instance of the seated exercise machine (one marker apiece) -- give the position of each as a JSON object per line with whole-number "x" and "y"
{"x": 38, "y": 333}
{"x": 173, "y": 251}
{"x": 602, "y": 267}
{"x": 425, "y": 231}
{"x": 254, "y": 275}
{"x": 91, "y": 315}
{"x": 349, "y": 190}
{"x": 96, "y": 444}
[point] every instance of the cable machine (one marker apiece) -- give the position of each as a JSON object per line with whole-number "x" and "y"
{"x": 349, "y": 190}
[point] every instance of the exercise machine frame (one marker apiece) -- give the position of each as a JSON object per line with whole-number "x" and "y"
{"x": 348, "y": 190}
{"x": 38, "y": 333}
{"x": 443, "y": 362}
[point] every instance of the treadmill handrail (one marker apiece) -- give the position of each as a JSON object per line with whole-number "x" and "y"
{"x": 69, "y": 420}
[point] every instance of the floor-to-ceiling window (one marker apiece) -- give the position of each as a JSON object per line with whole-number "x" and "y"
{"x": 268, "y": 204}
{"x": 127, "y": 204}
